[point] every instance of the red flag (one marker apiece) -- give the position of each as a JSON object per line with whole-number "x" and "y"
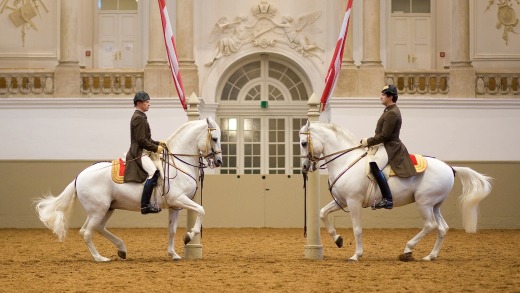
{"x": 335, "y": 63}
{"x": 172, "y": 52}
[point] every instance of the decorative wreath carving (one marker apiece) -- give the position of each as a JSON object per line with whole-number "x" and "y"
{"x": 506, "y": 17}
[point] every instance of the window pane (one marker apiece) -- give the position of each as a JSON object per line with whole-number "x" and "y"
{"x": 256, "y": 149}
{"x": 127, "y": 5}
{"x": 420, "y": 6}
{"x": 107, "y": 4}
{"x": 400, "y": 6}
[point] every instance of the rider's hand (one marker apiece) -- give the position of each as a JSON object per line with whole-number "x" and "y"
{"x": 364, "y": 142}
{"x": 159, "y": 149}
{"x": 162, "y": 143}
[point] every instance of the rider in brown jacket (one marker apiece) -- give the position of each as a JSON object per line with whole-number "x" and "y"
{"x": 387, "y": 132}
{"x": 139, "y": 165}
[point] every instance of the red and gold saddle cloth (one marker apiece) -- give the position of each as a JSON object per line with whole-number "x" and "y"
{"x": 118, "y": 171}
{"x": 419, "y": 163}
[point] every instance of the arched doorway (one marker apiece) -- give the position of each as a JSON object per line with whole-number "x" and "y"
{"x": 262, "y": 106}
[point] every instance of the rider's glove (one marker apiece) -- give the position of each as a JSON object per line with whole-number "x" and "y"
{"x": 364, "y": 142}
{"x": 159, "y": 149}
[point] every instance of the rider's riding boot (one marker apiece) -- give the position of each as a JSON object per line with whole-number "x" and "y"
{"x": 386, "y": 202}
{"x": 146, "y": 207}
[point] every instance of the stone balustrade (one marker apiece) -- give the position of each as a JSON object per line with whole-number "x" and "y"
{"x": 111, "y": 82}
{"x": 419, "y": 82}
{"x": 14, "y": 82}
{"x": 497, "y": 84}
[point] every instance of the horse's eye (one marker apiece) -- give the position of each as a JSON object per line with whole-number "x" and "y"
{"x": 215, "y": 139}
{"x": 304, "y": 143}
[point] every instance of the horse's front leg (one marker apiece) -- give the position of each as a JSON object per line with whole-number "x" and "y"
{"x": 172, "y": 229}
{"x": 355, "y": 216}
{"x": 184, "y": 202}
{"x": 324, "y": 216}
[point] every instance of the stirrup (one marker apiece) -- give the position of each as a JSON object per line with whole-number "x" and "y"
{"x": 149, "y": 209}
{"x": 384, "y": 203}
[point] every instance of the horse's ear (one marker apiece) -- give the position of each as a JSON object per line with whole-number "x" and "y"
{"x": 308, "y": 124}
{"x": 208, "y": 121}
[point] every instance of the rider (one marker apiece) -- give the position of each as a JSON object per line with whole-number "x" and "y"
{"x": 387, "y": 133}
{"x": 139, "y": 165}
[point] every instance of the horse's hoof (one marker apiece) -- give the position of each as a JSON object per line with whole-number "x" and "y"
{"x": 429, "y": 258}
{"x": 176, "y": 257}
{"x": 121, "y": 254}
{"x": 102, "y": 259}
{"x": 339, "y": 242}
{"x": 187, "y": 239}
{"x": 406, "y": 257}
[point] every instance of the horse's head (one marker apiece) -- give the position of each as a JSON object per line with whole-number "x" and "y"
{"x": 211, "y": 149}
{"x": 311, "y": 148}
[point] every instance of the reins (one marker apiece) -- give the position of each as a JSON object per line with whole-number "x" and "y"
{"x": 313, "y": 159}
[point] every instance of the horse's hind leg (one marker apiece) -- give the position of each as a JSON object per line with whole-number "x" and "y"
{"x": 172, "y": 229}
{"x": 121, "y": 249}
{"x": 442, "y": 229}
{"x": 324, "y": 216}
{"x": 429, "y": 224}
{"x": 86, "y": 232}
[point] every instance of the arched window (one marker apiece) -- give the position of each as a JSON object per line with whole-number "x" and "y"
{"x": 263, "y": 104}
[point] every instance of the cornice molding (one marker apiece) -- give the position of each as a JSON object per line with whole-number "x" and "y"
{"x": 429, "y": 103}
{"x": 84, "y": 103}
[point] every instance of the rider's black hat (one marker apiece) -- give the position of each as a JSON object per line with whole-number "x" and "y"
{"x": 141, "y": 96}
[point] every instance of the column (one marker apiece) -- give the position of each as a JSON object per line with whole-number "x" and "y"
{"x": 184, "y": 32}
{"x": 349, "y": 76}
{"x": 158, "y": 81}
{"x": 313, "y": 248}
{"x": 67, "y": 78}
{"x": 462, "y": 73}
{"x": 372, "y": 74}
{"x": 193, "y": 250}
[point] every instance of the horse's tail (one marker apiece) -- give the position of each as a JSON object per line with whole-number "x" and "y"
{"x": 475, "y": 187}
{"x": 54, "y": 212}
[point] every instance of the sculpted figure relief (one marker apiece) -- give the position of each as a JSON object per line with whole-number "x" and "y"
{"x": 228, "y": 35}
{"x": 264, "y": 31}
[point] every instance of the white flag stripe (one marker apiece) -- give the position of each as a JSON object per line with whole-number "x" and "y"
{"x": 335, "y": 64}
{"x": 169, "y": 42}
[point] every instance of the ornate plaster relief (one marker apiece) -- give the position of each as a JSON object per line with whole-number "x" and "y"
{"x": 22, "y": 13}
{"x": 506, "y": 17}
{"x": 266, "y": 29}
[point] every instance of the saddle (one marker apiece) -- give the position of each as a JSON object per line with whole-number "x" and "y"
{"x": 118, "y": 171}
{"x": 419, "y": 162}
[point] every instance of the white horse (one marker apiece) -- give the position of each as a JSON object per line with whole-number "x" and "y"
{"x": 346, "y": 162}
{"x": 100, "y": 195}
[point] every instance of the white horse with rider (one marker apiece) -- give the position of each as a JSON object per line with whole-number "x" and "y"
{"x": 100, "y": 195}
{"x": 352, "y": 188}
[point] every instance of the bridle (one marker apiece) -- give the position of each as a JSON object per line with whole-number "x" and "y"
{"x": 168, "y": 160}
{"x": 314, "y": 160}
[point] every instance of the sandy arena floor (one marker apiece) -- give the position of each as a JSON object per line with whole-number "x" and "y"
{"x": 259, "y": 260}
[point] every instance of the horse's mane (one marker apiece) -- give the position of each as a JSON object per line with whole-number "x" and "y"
{"x": 189, "y": 123}
{"x": 339, "y": 131}
{"x": 182, "y": 127}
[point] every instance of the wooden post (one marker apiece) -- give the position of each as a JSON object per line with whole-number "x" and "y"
{"x": 313, "y": 248}
{"x": 193, "y": 250}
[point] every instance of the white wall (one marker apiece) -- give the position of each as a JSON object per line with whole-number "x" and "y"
{"x": 78, "y": 128}
{"x": 449, "y": 129}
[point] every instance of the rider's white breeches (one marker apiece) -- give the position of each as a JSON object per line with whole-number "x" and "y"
{"x": 148, "y": 165}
